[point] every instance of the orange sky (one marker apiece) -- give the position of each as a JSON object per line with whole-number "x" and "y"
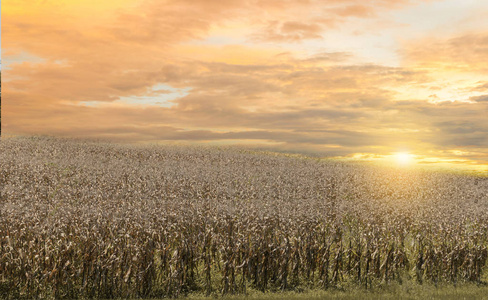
{"x": 343, "y": 78}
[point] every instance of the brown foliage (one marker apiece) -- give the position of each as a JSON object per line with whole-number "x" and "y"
{"x": 94, "y": 220}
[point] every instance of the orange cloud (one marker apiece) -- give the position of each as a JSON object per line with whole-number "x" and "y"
{"x": 293, "y": 98}
{"x": 291, "y": 31}
{"x": 467, "y": 52}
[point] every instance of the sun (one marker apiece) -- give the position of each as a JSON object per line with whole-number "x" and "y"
{"x": 404, "y": 158}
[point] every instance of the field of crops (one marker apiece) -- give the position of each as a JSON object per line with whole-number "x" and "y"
{"x": 95, "y": 220}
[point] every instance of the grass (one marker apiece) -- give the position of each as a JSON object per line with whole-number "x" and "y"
{"x": 410, "y": 291}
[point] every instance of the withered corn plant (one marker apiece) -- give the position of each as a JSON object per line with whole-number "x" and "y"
{"x": 93, "y": 220}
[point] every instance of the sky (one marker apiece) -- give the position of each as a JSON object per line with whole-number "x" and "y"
{"x": 348, "y": 79}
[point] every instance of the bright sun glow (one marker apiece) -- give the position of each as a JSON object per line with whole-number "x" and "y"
{"x": 404, "y": 158}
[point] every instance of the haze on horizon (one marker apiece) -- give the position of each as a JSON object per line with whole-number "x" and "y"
{"x": 347, "y": 79}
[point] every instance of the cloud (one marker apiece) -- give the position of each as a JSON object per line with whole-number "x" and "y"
{"x": 277, "y": 102}
{"x": 261, "y": 92}
{"x": 479, "y": 99}
{"x": 291, "y": 31}
{"x": 481, "y": 87}
{"x": 328, "y": 57}
{"x": 467, "y": 52}
{"x": 354, "y": 10}
{"x": 297, "y": 21}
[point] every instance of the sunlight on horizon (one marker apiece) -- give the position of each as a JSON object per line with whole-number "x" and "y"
{"x": 408, "y": 160}
{"x": 404, "y": 158}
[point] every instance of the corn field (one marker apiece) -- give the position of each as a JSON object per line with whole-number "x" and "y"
{"x": 98, "y": 220}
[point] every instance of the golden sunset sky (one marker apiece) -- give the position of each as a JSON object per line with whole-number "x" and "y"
{"x": 341, "y": 78}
